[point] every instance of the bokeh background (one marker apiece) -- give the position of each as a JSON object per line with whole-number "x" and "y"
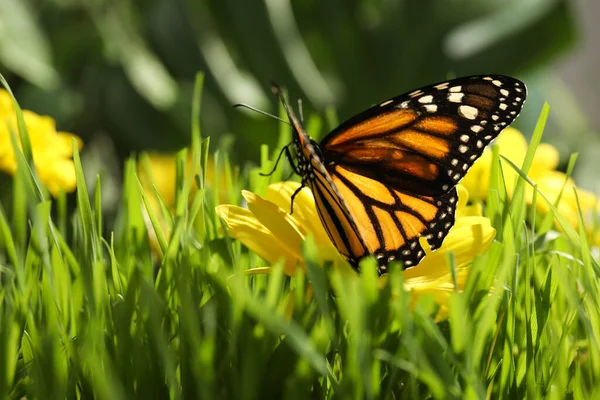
{"x": 120, "y": 73}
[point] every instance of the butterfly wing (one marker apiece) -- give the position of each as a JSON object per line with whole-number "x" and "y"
{"x": 391, "y": 221}
{"x": 425, "y": 141}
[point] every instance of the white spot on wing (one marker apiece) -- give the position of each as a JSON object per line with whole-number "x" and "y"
{"x": 455, "y": 89}
{"x": 385, "y": 103}
{"x": 441, "y": 86}
{"x": 503, "y": 106}
{"x": 464, "y": 138}
{"x": 476, "y": 128}
{"x": 504, "y": 92}
{"x": 431, "y": 107}
{"x": 497, "y": 82}
{"x": 455, "y": 97}
{"x": 463, "y": 149}
{"x": 426, "y": 99}
{"x": 468, "y": 112}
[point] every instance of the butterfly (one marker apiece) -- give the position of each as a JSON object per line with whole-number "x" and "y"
{"x": 387, "y": 176}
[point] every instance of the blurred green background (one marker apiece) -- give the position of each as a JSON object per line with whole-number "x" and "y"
{"x": 120, "y": 73}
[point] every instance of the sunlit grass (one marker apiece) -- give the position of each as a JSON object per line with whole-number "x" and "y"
{"x": 87, "y": 316}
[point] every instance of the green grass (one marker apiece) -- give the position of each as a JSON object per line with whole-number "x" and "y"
{"x": 83, "y": 316}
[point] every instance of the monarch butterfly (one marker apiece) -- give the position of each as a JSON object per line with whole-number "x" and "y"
{"x": 387, "y": 176}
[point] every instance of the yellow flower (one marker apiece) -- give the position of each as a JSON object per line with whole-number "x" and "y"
{"x": 268, "y": 229}
{"x": 52, "y": 150}
{"x": 161, "y": 175}
{"x": 512, "y": 145}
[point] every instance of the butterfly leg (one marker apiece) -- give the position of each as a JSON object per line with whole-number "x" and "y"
{"x": 288, "y": 155}
{"x": 294, "y": 195}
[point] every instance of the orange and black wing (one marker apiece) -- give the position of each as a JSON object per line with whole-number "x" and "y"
{"x": 391, "y": 221}
{"x": 425, "y": 141}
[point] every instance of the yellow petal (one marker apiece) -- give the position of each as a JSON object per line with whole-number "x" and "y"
{"x": 305, "y": 211}
{"x": 469, "y": 236}
{"x": 162, "y": 171}
{"x": 245, "y": 227}
{"x": 51, "y": 151}
{"x": 477, "y": 180}
{"x": 282, "y": 225}
{"x": 6, "y": 103}
{"x": 546, "y": 158}
{"x": 463, "y": 197}
{"x": 512, "y": 145}
{"x": 63, "y": 143}
{"x": 474, "y": 210}
{"x": 56, "y": 174}
{"x": 550, "y": 184}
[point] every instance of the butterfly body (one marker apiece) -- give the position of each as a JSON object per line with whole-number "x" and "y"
{"x": 387, "y": 176}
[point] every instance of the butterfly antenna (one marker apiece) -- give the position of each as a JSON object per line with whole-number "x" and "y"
{"x": 300, "y": 111}
{"x": 243, "y": 105}
{"x": 279, "y": 93}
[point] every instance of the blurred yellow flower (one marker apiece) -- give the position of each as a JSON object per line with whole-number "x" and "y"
{"x": 268, "y": 229}
{"x": 52, "y": 150}
{"x": 161, "y": 175}
{"x": 512, "y": 145}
